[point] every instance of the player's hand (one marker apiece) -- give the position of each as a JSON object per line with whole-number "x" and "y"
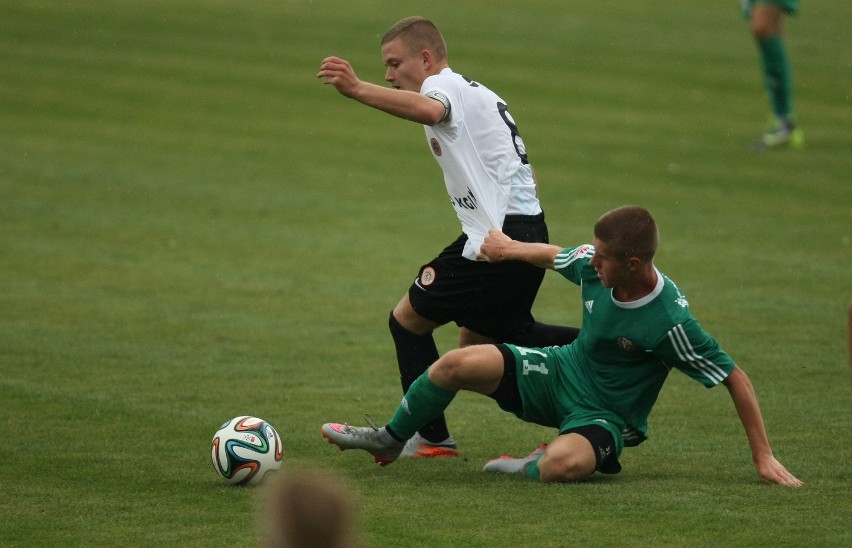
{"x": 493, "y": 249}
{"x": 769, "y": 470}
{"x": 340, "y": 74}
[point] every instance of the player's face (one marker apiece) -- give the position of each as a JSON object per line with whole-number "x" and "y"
{"x": 404, "y": 70}
{"x": 612, "y": 270}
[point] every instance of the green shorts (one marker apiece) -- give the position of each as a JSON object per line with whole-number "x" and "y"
{"x": 550, "y": 398}
{"x": 787, "y": 6}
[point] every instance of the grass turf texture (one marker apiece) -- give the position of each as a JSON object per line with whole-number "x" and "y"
{"x": 193, "y": 228}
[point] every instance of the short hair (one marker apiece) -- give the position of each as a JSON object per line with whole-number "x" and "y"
{"x": 629, "y": 231}
{"x": 418, "y": 33}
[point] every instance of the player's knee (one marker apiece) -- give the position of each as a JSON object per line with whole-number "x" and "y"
{"x": 462, "y": 369}
{"x": 405, "y": 318}
{"x": 470, "y": 338}
{"x": 762, "y": 31}
{"x": 763, "y": 27}
{"x": 567, "y": 467}
{"x": 450, "y": 369}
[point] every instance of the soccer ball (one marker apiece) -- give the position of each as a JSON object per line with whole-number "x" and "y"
{"x": 245, "y": 449}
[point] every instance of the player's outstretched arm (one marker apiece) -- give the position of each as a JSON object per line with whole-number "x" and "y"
{"x": 409, "y": 105}
{"x": 499, "y": 247}
{"x": 769, "y": 470}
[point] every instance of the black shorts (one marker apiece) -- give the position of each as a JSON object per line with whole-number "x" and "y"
{"x": 491, "y": 299}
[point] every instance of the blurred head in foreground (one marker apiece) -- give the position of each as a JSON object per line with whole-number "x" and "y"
{"x": 306, "y": 509}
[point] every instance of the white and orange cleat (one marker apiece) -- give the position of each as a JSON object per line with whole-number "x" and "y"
{"x": 376, "y": 441}
{"x": 419, "y": 447}
{"x": 511, "y": 465}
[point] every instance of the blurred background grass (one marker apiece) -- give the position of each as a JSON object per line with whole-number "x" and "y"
{"x": 193, "y": 228}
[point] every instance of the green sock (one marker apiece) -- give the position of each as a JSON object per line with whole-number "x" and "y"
{"x": 531, "y": 471}
{"x": 422, "y": 402}
{"x": 777, "y": 75}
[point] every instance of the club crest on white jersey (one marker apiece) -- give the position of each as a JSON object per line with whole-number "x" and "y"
{"x": 427, "y": 276}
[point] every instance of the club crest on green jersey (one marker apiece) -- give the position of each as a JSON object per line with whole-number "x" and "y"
{"x": 626, "y": 344}
{"x": 585, "y": 250}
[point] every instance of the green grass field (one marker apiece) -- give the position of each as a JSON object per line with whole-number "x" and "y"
{"x": 192, "y": 227}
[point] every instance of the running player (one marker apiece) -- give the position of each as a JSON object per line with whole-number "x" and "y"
{"x": 765, "y": 17}
{"x": 490, "y": 183}
{"x": 597, "y": 391}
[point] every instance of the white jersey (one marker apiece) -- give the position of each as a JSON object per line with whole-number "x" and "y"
{"x": 482, "y": 155}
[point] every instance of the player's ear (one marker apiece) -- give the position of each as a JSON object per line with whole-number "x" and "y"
{"x": 427, "y": 59}
{"x": 634, "y": 264}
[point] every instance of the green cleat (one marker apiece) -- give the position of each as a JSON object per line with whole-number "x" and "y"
{"x": 781, "y": 132}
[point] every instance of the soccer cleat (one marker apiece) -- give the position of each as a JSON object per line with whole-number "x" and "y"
{"x": 511, "y": 465}
{"x": 376, "y": 441}
{"x": 781, "y": 132}
{"x": 419, "y": 447}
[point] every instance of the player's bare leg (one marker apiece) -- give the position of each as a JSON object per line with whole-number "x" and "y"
{"x": 469, "y": 338}
{"x": 569, "y": 457}
{"x": 766, "y": 27}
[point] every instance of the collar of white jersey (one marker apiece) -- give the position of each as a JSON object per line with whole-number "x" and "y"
{"x": 647, "y": 298}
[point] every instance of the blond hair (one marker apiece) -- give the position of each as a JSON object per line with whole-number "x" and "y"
{"x": 418, "y": 33}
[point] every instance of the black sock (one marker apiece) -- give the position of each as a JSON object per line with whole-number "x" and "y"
{"x": 542, "y": 334}
{"x": 414, "y": 354}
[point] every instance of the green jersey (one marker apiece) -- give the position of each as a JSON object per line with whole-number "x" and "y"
{"x": 615, "y": 369}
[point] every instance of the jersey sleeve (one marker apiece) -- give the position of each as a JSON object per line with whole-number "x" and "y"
{"x": 572, "y": 263}
{"x": 443, "y": 99}
{"x": 442, "y": 89}
{"x": 690, "y": 349}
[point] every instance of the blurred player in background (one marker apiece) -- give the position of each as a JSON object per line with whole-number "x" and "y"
{"x": 490, "y": 183}
{"x": 765, "y": 18}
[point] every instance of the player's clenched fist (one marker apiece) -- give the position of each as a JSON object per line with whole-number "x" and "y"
{"x": 493, "y": 248}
